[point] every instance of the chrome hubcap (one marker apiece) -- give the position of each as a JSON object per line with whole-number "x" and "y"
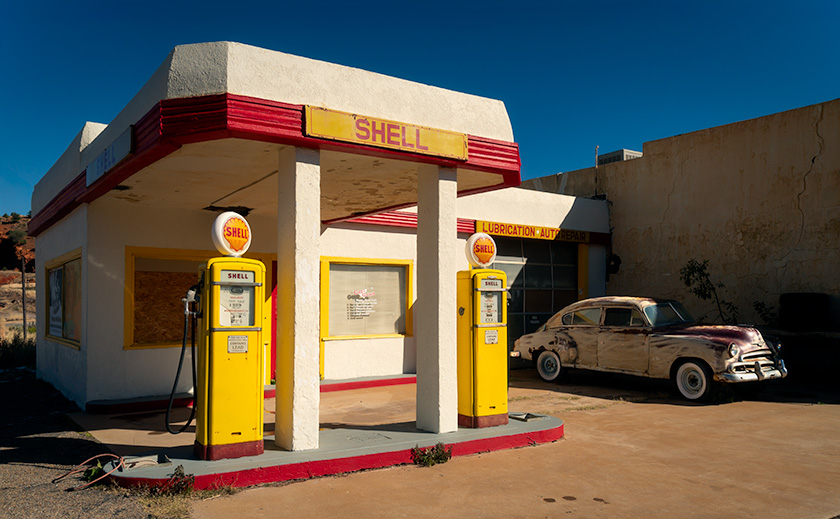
{"x": 549, "y": 365}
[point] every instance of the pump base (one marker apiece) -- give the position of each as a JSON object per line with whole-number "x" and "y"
{"x": 476, "y": 422}
{"x": 230, "y": 450}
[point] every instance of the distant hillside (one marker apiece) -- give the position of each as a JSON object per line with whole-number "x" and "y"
{"x": 15, "y": 243}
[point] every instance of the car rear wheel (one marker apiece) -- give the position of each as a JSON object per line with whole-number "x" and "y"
{"x": 548, "y": 366}
{"x": 694, "y": 380}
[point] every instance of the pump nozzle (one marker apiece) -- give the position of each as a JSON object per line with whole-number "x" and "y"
{"x": 190, "y": 298}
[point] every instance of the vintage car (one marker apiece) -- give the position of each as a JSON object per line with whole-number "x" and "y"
{"x": 654, "y": 338}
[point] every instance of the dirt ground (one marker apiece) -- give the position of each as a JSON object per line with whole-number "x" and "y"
{"x": 631, "y": 450}
{"x": 39, "y": 442}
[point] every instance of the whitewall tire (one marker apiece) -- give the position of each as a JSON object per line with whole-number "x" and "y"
{"x": 548, "y": 366}
{"x": 693, "y": 380}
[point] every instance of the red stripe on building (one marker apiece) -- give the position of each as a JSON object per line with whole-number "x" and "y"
{"x": 407, "y": 220}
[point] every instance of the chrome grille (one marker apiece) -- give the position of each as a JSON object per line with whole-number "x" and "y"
{"x": 758, "y": 355}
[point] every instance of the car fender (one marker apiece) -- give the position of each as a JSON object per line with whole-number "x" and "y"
{"x": 530, "y": 346}
{"x": 667, "y": 351}
{"x": 565, "y": 348}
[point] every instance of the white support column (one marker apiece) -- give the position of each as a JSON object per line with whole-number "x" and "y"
{"x": 298, "y": 395}
{"x": 435, "y": 318}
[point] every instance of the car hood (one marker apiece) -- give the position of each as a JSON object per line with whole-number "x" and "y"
{"x": 716, "y": 333}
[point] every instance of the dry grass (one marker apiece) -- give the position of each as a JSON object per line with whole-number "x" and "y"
{"x": 172, "y": 505}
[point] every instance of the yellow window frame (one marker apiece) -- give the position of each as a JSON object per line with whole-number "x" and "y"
{"x": 326, "y": 261}
{"x": 131, "y": 255}
{"x": 51, "y": 265}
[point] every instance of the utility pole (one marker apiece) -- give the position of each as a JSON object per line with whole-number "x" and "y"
{"x": 23, "y": 291}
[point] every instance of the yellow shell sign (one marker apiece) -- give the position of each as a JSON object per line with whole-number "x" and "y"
{"x": 484, "y": 249}
{"x": 383, "y": 133}
{"x": 231, "y": 234}
{"x": 481, "y": 250}
{"x": 235, "y": 232}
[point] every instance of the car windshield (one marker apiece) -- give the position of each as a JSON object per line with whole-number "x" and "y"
{"x": 666, "y": 314}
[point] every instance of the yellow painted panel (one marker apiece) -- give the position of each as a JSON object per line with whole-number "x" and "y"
{"x": 515, "y": 230}
{"x": 383, "y": 133}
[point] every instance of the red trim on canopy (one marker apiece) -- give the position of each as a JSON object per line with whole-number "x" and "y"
{"x": 173, "y": 123}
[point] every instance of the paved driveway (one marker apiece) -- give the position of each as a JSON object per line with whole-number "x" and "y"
{"x": 631, "y": 450}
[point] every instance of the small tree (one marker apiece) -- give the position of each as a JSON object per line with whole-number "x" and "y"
{"x": 18, "y": 236}
{"x": 695, "y": 275}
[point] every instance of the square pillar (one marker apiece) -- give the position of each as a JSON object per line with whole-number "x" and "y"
{"x": 298, "y": 396}
{"x": 435, "y": 309}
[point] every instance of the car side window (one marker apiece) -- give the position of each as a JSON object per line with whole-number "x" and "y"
{"x": 625, "y": 317}
{"x": 567, "y": 319}
{"x": 587, "y": 317}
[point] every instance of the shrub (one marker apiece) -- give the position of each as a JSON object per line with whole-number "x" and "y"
{"x": 16, "y": 353}
{"x": 695, "y": 275}
{"x": 431, "y": 455}
{"x": 18, "y": 236}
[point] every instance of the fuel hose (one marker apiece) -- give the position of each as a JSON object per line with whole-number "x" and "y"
{"x": 189, "y": 317}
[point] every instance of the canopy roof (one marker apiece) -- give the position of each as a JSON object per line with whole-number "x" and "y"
{"x": 204, "y": 133}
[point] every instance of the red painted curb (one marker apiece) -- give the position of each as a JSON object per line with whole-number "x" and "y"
{"x": 312, "y": 469}
{"x": 362, "y": 384}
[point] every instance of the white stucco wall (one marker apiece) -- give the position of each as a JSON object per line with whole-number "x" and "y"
{"x": 61, "y": 365}
{"x": 526, "y": 207}
{"x": 268, "y": 74}
{"x": 117, "y": 373}
{"x": 376, "y": 356}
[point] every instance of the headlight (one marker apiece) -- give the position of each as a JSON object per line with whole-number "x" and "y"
{"x": 734, "y": 350}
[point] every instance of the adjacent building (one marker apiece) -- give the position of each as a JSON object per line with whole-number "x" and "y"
{"x": 758, "y": 199}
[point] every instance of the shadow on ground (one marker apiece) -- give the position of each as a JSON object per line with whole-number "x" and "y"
{"x": 39, "y": 443}
{"x": 614, "y": 386}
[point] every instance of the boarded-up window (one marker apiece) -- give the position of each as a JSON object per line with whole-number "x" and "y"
{"x": 159, "y": 286}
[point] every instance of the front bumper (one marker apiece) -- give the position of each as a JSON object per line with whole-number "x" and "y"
{"x": 780, "y": 371}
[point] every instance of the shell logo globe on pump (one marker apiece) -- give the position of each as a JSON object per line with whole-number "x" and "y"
{"x": 231, "y": 234}
{"x": 481, "y": 250}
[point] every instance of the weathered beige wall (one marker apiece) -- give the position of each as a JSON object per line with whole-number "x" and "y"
{"x": 759, "y": 199}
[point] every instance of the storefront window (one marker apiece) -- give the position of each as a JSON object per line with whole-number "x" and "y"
{"x": 542, "y": 278}
{"x": 65, "y": 301}
{"x": 367, "y": 298}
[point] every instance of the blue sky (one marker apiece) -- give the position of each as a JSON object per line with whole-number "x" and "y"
{"x": 573, "y": 75}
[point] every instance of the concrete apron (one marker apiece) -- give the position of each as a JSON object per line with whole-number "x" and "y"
{"x": 367, "y": 428}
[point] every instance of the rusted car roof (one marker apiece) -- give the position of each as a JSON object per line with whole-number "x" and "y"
{"x": 638, "y": 300}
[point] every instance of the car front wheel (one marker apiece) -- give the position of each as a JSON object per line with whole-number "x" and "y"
{"x": 548, "y": 366}
{"x": 694, "y": 380}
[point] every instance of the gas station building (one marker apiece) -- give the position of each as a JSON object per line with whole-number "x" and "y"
{"x": 361, "y": 191}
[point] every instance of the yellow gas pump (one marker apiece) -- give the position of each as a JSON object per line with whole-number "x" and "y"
{"x": 482, "y": 339}
{"x": 229, "y": 392}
